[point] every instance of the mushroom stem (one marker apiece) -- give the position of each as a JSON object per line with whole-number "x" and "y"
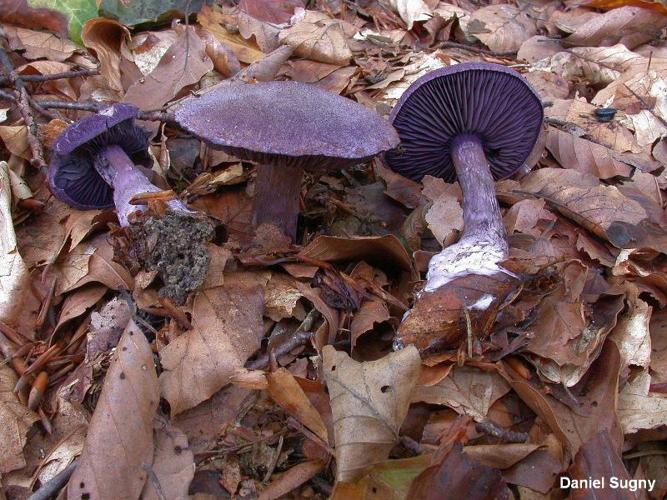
{"x": 120, "y": 172}
{"x": 483, "y": 245}
{"x": 277, "y": 191}
{"x": 481, "y": 212}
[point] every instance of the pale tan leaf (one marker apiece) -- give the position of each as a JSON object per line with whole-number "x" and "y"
{"x": 640, "y": 409}
{"x": 282, "y": 295}
{"x": 369, "y": 402}
{"x": 286, "y": 391}
{"x": 214, "y": 22}
{"x": 584, "y": 156}
{"x": 227, "y": 329}
{"x": 445, "y": 219}
{"x": 466, "y": 390}
{"x": 39, "y": 44}
{"x": 411, "y": 11}
{"x": 632, "y": 335}
{"x": 631, "y": 26}
{"x": 121, "y": 429}
{"x": 538, "y": 47}
{"x": 319, "y": 38}
{"x": 15, "y": 139}
{"x": 14, "y": 278}
{"x": 501, "y": 27}
{"x": 648, "y": 127}
{"x": 15, "y": 421}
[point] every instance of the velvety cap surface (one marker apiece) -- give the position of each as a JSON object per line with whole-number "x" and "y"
{"x": 72, "y": 175}
{"x": 489, "y": 100}
{"x": 287, "y": 123}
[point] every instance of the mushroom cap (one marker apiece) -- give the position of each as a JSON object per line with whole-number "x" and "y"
{"x": 287, "y": 123}
{"x": 489, "y": 100}
{"x": 73, "y": 178}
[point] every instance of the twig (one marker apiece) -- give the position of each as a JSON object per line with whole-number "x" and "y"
{"x": 296, "y": 340}
{"x": 476, "y": 50}
{"x": 54, "y": 76}
{"x": 492, "y": 429}
{"x": 23, "y": 103}
{"x": 55, "y": 484}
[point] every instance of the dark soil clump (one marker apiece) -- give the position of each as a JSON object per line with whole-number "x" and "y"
{"x": 174, "y": 245}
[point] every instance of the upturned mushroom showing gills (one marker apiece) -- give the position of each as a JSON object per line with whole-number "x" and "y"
{"x": 287, "y": 128}
{"x": 475, "y": 123}
{"x": 95, "y": 165}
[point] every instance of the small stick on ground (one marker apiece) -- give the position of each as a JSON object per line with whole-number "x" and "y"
{"x": 54, "y": 76}
{"x": 506, "y": 436}
{"x": 51, "y": 488}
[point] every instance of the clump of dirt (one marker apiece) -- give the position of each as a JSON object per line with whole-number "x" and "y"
{"x": 174, "y": 245}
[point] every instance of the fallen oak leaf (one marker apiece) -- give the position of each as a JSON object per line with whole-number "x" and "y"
{"x": 369, "y": 402}
{"x": 120, "y": 436}
{"x": 226, "y": 330}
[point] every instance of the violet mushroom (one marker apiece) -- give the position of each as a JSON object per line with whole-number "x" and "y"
{"x": 478, "y": 123}
{"x": 95, "y": 166}
{"x": 287, "y": 128}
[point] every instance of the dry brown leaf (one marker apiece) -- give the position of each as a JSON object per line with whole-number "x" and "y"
{"x": 79, "y": 302}
{"x": 630, "y": 26}
{"x": 121, "y": 429}
{"x": 281, "y": 296}
{"x": 411, "y": 11}
{"x": 183, "y": 64}
{"x": 92, "y": 262}
{"x": 585, "y": 156}
{"x": 370, "y": 313}
{"x": 106, "y": 327}
{"x": 501, "y": 27}
{"x": 632, "y": 335}
{"x": 105, "y": 37}
{"x": 224, "y": 60}
{"x": 39, "y": 44}
{"x": 445, "y": 219}
{"x": 15, "y": 421}
{"x": 173, "y": 464}
{"x": 286, "y": 391}
{"x": 290, "y": 480}
{"x": 524, "y": 216}
{"x": 318, "y": 37}
{"x": 15, "y": 139}
{"x": 14, "y": 278}
{"x": 270, "y": 11}
{"x": 226, "y": 330}
{"x": 466, "y": 390}
{"x": 369, "y": 402}
{"x": 212, "y": 20}
{"x": 538, "y": 47}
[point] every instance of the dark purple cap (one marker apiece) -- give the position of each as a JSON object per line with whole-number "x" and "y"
{"x": 287, "y": 123}
{"x": 72, "y": 175}
{"x": 489, "y": 100}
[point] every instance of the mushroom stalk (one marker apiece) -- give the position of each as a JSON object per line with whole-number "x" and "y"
{"x": 277, "y": 191}
{"x": 118, "y": 170}
{"x": 481, "y": 213}
{"x": 482, "y": 245}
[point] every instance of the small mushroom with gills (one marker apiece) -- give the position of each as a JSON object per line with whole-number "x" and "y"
{"x": 95, "y": 165}
{"x": 475, "y": 123}
{"x": 287, "y": 128}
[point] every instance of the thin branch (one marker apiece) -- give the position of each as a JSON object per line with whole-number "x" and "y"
{"x": 51, "y": 488}
{"x": 54, "y": 76}
{"x": 23, "y": 102}
{"x": 476, "y": 50}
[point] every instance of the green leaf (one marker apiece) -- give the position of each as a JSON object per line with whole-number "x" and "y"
{"x": 147, "y": 12}
{"x": 77, "y": 12}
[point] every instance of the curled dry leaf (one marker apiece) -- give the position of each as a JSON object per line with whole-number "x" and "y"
{"x": 15, "y": 421}
{"x": 501, "y": 27}
{"x": 183, "y": 64}
{"x": 39, "y": 44}
{"x": 14, "y": 278}
{"x": 639, "y": 408}
{"x": 445, "y": 219}
{"x": 319, "y": 38}
{"x": 105, "y": 37}
{"x": 214, "y": 21}
{"x": 226, "y": 330}
{"x": 369, "y": 401}
{"x": 286, "y": 391}
{"x": 119, "y": 443}
{"x": 370, "y": 313}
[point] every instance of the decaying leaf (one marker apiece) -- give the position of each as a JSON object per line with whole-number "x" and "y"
{"x": 501, "y": 27}
{"x": 121, "y": 429}
{"x": 319, "y": 38}
{"x": 369, "y": 402}
{"x": 226, "y": 331}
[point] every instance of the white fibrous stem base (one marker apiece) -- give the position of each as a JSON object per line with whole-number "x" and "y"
{"x": 467, "y": 256}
